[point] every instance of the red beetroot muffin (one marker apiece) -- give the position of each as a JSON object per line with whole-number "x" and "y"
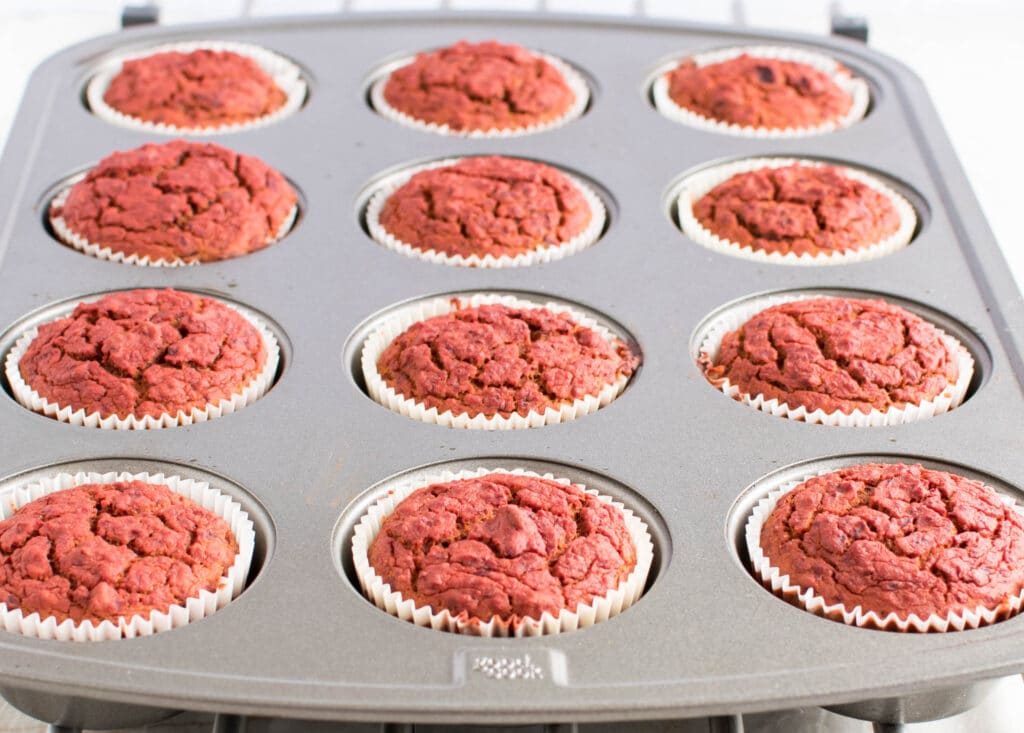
{"x": 203, "y": 88}
{"x": 178, "y": 201}
{"x": 898, "y": 539}
{"x": 836, "y": 355}
{"x": 141, "y": 353}
{"x": 798, "y": 209}
{"x": 100, "y": 552}
{"x": 503, "y": 545}
{"x": 758, "y": 92}
{"x": 480, "y": 87}
{"x": 500, "y": 360}
{"x": 475, "y": 207}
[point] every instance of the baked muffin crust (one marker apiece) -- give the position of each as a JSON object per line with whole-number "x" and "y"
{"x": 797, "y": 209}
{"x": 479, "y": 86}
{"x": 503, "y": 545}
{"x": 496, "y": 359}
{"x": 99, "y": 552}
{"x": 196, "y": 202}
{"x": 486, "y": 206}
{"x": 895, "y": 538}
{"x": 836, "y": 354}
{"x": 201, "y": 88}
{"x": 758, "y": 92}
{"x": 144, "y": 352}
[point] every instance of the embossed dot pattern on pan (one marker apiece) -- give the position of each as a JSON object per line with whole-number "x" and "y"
{"x": 703, "y": 639}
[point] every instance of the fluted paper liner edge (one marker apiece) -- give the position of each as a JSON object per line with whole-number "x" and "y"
{"x": 611, "y": 604}
{"x": 856, "y": 87}
{"x": 395, "y": 323}
{"x": 735, "y": 317}
{"x": 809, "y": 600}
{"x": 545, "y": 253}
{"x": 195, "y": 608}
{"x": 250, "y": 392}
{"x": 699, "y": 184}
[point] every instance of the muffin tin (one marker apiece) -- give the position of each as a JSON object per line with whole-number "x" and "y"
{"x": 310, "y": 456}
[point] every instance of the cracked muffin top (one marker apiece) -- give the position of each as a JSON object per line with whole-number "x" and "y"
{"x": 196, "y": 202}
{"x": 486, "y": 206}
{"x": 896, "y": 538}
{"x": 503, "y": 545}
{"x": 479, "y": 86}
{"x": 201, "y": 88}
{"x": 98, "y": 552}
{"x": 836, "y": 354}
{"x": 499, "y": 360}
{"x": 798, "y": 209}
{"x": 759, "y": 92}
{"x": 144, "y": 352}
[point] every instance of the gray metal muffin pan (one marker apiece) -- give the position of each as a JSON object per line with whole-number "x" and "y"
{"x": 705, "y": 639}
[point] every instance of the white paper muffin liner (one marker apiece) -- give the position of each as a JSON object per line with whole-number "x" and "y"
{"x": 857, "y": 89}
{"x": 285, "y": 74}
{"x": 733, "y": 318}
{"x": 611, "y": 604}
{"x": 546, "y": 253}
{"x": 250, "y": 392}
{"x": 398, "y": 321}
{"x": 808, "y": 599}
{"x": 573, "y": 79}
{"x": 103, "y": 252}
{"x": 699, "y": 184}
{"x": 195, "y": 608}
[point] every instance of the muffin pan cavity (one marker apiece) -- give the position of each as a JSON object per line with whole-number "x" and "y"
{"x": 262, "y": 523}
{"x": 15, "y": 341}
{"x": 59, "y": 230}
{"x": 374, "y": 196}
{"x": 745, "y": 504}
{"x": 970, "y": 354}
{"x": 686, "y": 190}
{"x": 629, "y": 498}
